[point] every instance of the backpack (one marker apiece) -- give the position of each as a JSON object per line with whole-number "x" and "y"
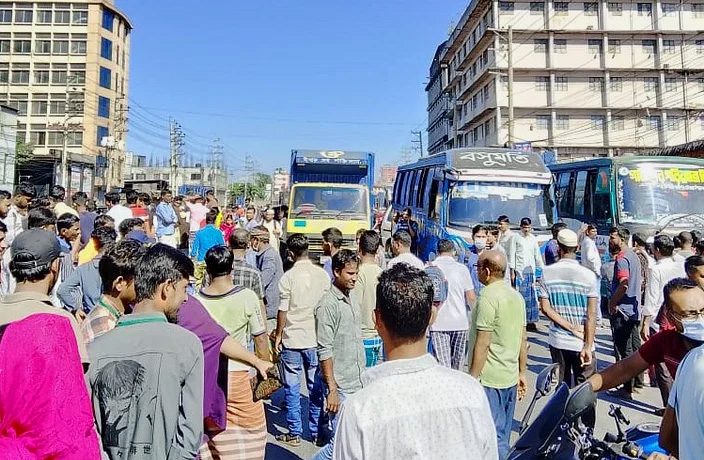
{"x": 439, "y": 283}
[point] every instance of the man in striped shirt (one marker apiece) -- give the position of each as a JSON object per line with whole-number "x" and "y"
{"x": 568, "y": 297}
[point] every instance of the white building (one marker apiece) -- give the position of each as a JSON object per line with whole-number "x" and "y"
{"x": 589, "y": 78}
{"x": 8, "y": 144}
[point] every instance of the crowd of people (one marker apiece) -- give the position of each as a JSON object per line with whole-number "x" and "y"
{"x": 137, "y": 333}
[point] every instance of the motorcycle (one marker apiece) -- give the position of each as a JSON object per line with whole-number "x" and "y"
{"x": 644, "y": 435}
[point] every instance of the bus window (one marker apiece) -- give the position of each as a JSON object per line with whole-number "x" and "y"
{"x": 565, "y": 194}
{"x": 421, "y": 188}
{"x": 407, "y": 187}
{"x": 397, "y": 188}
{"x": 601, "y": 198}
{"x": 580, "y": 208}
{"x": 413, "y": 189}
{"x": 403, "y": 176}
{"x": 434, "y": 199}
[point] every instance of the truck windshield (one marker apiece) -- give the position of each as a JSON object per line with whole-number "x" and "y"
{"x": 474, "y": 202}
{"x": 657, "y": 193}
{"x": 329, "y": 202}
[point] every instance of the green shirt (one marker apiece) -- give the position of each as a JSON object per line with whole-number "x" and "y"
{"x": 501, "y": 311}
{"x": 364, "y": 295}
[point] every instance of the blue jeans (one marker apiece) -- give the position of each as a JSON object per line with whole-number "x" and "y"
{"x": 326, "y": 452}
{"x": 502, "y": 403}
{"x": 295, "y": 362}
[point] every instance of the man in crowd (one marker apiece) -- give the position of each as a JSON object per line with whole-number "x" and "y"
{"x": 68, "y": 228}
{"x": 448, "y": 333}
{"x": 93, "y": 247}
{"x": 480, "y": 239}
{"x": 210, "y": 200}
{"x": 58, "y": 198}
{"x": 115, "y": 210}
{"x": 400, "y": 409}
{"x": 568, "y": 297}
{"x": 117, "y": 271}
{"x": 624, "y": 305}
{"x": 206, "y": 238}
{"x": 591, "y": 260}
{"x": 183, "y": 228}
{"x": 364, "y": 293}
{"x": 244, "y": 273}
{"x": 406, "y": 223}
{"x": 272, "y": 269}
{"x": 250, "y": 221}
{"x": 273, "y": 226}
{"x": 498, "y": 345}
{"x": 85, "y": 215}
{"x": 139, "y": 211}
{"x": 198, "y": 212}
{"x": 146, "y": 376}
{"x": 686, "y": 243}
{"x": 525, "y": 258}
{"x": 332, "y": 243}
{"x": 640, "y": 247}
{"x": 506, "y": 236}
{"x": 401, "y": 249}
{"x": 552, "y": 249}
{"x": 166, "y": 220}
{"x": 340, "y": 350}
{"x": 301, "y": 289}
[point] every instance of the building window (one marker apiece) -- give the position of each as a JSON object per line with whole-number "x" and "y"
{"x": 108, "y": 20}
{"x": 650, "y": 84}
{"x": 101, "y": 131}
{"x": 594, "y": 46}
{"x": 62, "y": 17}
{"x": 506, "y": 7}
{"x": 597, "y": 121}
{"x": 673, "y": 123}
{"x": 23, "y": 16}
{"x": 105, "y": 78}
{"x": 22, "y": 46}
{"x": 542, "y": 83}
{"x": 596, "y": 83}
{"x": 103, "y": 107}
{"x": 616, "y": 84}
{"x": 668, "y": 9}
{"x": 40, "y": 107}
{"x": 700, "y": 46}
{"x": 615, "y": 9}
{"x": 57, "y": 107}
{"x": 78, "y": 77}
{"x": 618, "y": 123}
{"x": 591, "y": 8}
{"x": 60, "y": 47}
{"x": 560, "y": 45}
{"x": 79, "y": 47}
{"x": 4, "y": 76}
{"x": 562, "y": 122}
{"x": 58, "y": 77}
{"x": 560, "y": 83}
{"x": 80, "y": 17}
{"x": 20, "y": 77}
{"x": 4, "y": 46}
{"x": 74, "y": 138}
{"x": 5, "y": 16}
{"x": 41, "y": 77}
{"x": 42, "y": 46}
{"x": 561, "y": 8}
{"x": 698, "y": 10}
{"x": 670, "y": 85}
{"x": 54, "y": 138}
{"x": 654, "y": 122}
{"x": 106, "y": 49}
{"x": 44, "y": 17}
{"x": 540, "y": 45}
{"x": 645, "y": 9}
{"x": 668, "y": 46}
{"x": 614, "y": 46}
{"x": 542, "y": 121}
{"x": 537, "y": 8}
{"x": 649, "y": 46}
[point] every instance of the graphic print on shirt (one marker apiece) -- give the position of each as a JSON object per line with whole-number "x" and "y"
{"x": 128, "y": 396}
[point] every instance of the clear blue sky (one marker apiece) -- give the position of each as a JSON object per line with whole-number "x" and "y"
{"x": 269, "y": 76}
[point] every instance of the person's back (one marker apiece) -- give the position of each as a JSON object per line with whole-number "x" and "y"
{"x": 687, "y": 399}
{"x": 627, "y": 263}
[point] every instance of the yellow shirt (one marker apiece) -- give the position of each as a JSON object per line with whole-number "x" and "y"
{"x": 88, "y": 253}
{"x": 62, "y": 208}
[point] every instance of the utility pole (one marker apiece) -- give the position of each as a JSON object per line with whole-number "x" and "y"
{"x": 176, "y": 137}
{"x": 119, "y": 130}
{"x": 72, "y": 110}
{"x": 248, "y": 163}
{"x": 418, "y": 141}
{"x": 510, "y": 85}
{"x": 216, "y": 164}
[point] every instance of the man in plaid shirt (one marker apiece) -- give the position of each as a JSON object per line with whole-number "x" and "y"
{"x": 244, "y": 274}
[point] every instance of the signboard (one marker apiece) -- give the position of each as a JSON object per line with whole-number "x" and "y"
{"x": 87, "y": 181}
{"x": 76, "y": 177}
{"x": 523, "y": 146}
{"x": 336, "y": 157}
{"x": 674, "y": 176}
{"x": 497, "y": 159}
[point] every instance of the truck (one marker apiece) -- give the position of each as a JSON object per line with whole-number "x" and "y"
{"x": 330, "y": 188}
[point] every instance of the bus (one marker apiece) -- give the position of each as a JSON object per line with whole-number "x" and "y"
{"x": 452, "y": 191}
{"x": 644, "y": 194}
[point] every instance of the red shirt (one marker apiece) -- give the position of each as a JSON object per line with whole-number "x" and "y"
{"x": 667, "y": 346}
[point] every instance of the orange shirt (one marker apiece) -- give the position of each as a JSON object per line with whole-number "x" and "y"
{"x": 88, "y": 253}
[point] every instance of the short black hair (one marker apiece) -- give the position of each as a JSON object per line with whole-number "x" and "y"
{"x": 40, "y": 217}
{"x": 686, "y": 237}
{"x": 696, "y": 236}
{"x": 699, "y": 246}
{"x": 251, "y": 208}
{"x": 42, "y": 202}
{"x": 218, "y": 261}
{"x": 239, "y": 239}
{"x": 503, "y": 219}
{"x": 118, "y": 260}
{"x": 638, "y": 239}
{"x": 664, "y": 245}
{"x": 112, "y": 198}
{"x": 130, "y": 224}
{"x": 66, "y": 221}
{"x": 165, "y": 192}
{"x": 692, "y": 263}
{"x": 556, "y": 227}
{"x": 79, "y": 199}
{"x": 159, "y": 264}
{"x": 58, "y": 193}
{"x": 677, "y": 284}
{"x": 403, "y": 238}
{"x": 404, "y": 299}
{"x": 621, "y": 232}
{"x": 5, "y": 194}
{"x": 131, "y": 196}
{"x": 146, "y": 199}
{"x": 445, "y": 246}
{"x": 26, "y": 189}
{"x": 91, "y": 206}
{"x": 103, "y": 220}
{"x": 297, "y": 244}
{"x": 526, "y": 222}
{"x": 369, "y": 242}
{"x": 78, "y": 195}
{"x": 103, "y": 236}
{"x": 342, "y": 258}
{"x": 478, "y": 228}
{"x": 333, "y": 236}
{"x": 408, "y": 211}
{"x": 211, "y": 217}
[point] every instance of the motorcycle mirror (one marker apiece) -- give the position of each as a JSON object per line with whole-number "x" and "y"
{"x": 544, "y": 380}
{"x": 581, "y": 399}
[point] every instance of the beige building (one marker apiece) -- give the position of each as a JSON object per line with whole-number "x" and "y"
{"x": 589, "y": 78}
{"x": 64, "y": 66}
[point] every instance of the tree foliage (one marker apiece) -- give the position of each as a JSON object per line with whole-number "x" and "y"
{"x": 23, "y": 153}
{"x": 255, "y": 187}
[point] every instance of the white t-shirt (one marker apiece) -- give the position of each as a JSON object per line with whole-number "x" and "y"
{"x": 452, "y": 315}
{"x": 406, "y": 258}
{"x": 687, "y": 398}
{"x": 119, "y": 213}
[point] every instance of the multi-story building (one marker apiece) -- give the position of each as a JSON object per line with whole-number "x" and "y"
{"x": 589, "y": 78}
{"x": 439, "y": 105}
{"x": 8, "y": 145}
{"x": 387, "y": 175}
{"x": 64, "y": 65}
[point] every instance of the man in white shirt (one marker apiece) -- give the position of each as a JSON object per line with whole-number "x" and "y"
{"x": 524, "y": 257}
{"x": 117, "y": 211}
{"x": 58, "y": 197}
{"x": 665, "y": 269}
{"x": 16, "y": 222}
{"x": 505, "y": 241}
{"x": 410, "y": 407}
{"x": 273, "y": 226}
{"x": 401, "y": 243}
{"x": 591, "y": 259}
{"x": 448, "y": 333}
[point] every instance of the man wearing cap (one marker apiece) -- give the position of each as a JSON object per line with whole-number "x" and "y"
{"x": 568, "y": 297}
{"x": 35, "y": 266}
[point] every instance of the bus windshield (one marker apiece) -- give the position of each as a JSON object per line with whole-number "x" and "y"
{"x": 474, "y": 202}
{"x": 656, "y": 193}
{"x": 321, "y": 202}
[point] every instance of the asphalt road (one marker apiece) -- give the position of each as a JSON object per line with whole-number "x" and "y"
{"x": 640, "y": 410}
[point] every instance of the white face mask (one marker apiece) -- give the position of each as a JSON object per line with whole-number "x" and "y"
{"x": 693, "y": 329}
{"x": 480, "y": 244}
